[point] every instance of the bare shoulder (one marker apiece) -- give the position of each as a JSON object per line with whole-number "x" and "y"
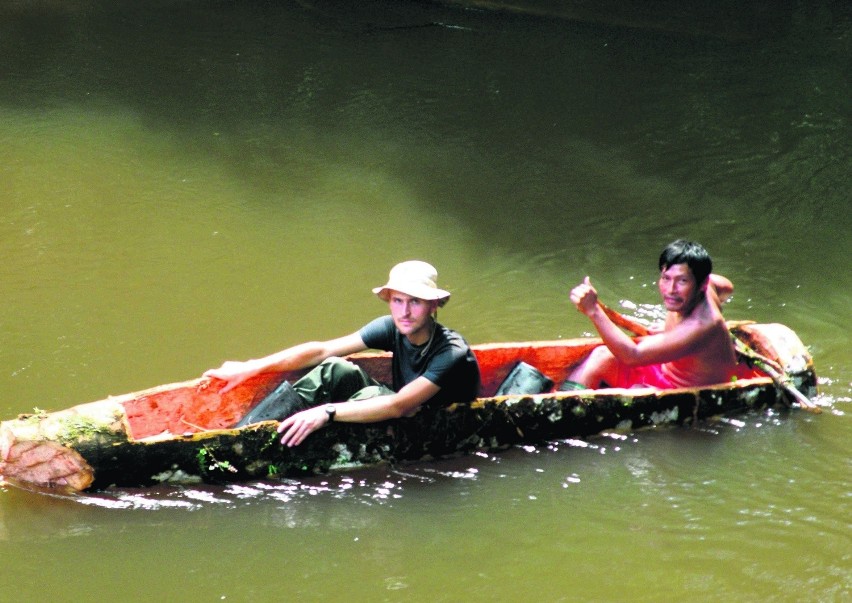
{"x": 705, "y": 321}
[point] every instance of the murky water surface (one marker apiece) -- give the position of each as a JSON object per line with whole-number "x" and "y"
{"x": 184, "y": 182}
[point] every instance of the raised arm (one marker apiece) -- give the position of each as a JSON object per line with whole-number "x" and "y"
{"x": 721, "y": 287}
{"x": 660, "y": 347}
{"x": 585, "y": 298}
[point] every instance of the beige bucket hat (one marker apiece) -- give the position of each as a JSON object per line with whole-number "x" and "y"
{"x": 414, "y": 278}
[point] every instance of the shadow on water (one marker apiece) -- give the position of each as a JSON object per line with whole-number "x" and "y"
{"x": 536, "y": 163}
{"x": 261, "y": 107}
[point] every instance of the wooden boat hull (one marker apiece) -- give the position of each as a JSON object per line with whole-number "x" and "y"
{"x": 182, "y": 431}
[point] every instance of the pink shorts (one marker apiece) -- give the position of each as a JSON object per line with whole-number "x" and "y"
{"x": 650, "y": 375}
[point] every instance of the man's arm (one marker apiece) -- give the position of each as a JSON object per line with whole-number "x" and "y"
{"x": 585, "y": 297}
{"x": 662, "y": 347}
{"x": 290, "y": 359}
{"x": 402, "y": 403}
{"x": 720, "y": 287}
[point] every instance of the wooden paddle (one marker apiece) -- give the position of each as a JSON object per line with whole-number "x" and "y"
{"x": 776, "y": 373}
{"x": 625, "y": 323}
{"x": 767, "y": 365}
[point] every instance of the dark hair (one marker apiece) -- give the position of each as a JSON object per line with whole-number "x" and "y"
{"x": 689, "y": 253}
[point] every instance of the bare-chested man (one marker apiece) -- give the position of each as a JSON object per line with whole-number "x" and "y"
{"x": 694, "y": 347}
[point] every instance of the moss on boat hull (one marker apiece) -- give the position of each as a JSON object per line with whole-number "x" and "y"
{"x": 98, "y": 444}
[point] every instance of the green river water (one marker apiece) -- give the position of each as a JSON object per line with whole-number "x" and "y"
{"x": 184, "y": 182}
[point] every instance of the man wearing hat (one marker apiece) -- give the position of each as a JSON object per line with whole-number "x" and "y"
{"x": 431, "y": 364}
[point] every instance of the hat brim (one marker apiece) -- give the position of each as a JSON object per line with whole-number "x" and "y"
{"x": 420, "y": 292}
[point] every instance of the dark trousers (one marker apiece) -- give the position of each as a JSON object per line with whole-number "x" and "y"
{"x": 336, "y": 380}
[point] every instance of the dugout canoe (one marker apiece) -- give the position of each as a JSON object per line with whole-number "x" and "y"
{"x": 182, "y": 431}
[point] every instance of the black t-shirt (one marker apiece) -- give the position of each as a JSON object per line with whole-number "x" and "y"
{"x": 447, "y": 361}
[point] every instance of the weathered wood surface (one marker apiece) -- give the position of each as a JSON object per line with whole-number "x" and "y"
{"x": 182, "y": 430}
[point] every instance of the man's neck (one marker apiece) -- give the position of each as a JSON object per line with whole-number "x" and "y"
{"x": 678, "y": 317}
{"x": 423, "y": 335}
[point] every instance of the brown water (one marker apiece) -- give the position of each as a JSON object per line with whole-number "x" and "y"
{"x": 185, "y": 182}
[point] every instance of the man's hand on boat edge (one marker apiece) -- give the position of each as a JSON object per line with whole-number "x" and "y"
{"x": 232, "y": 373}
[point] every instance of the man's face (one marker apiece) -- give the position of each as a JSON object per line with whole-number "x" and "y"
{"x": 411, "y": 315}
{"x": 678, "y": 288}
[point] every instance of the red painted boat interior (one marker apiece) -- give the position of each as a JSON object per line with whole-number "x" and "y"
{"x": 197, "y": 405}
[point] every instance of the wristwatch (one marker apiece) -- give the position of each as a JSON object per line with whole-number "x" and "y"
{"x": 330, "y": 410}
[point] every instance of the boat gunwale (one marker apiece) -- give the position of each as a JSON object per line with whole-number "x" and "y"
{"x": 487, "y": 422}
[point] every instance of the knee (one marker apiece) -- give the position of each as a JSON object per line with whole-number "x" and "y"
{"x": 600, "y": 356}
{"x": 339, "y": 366}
